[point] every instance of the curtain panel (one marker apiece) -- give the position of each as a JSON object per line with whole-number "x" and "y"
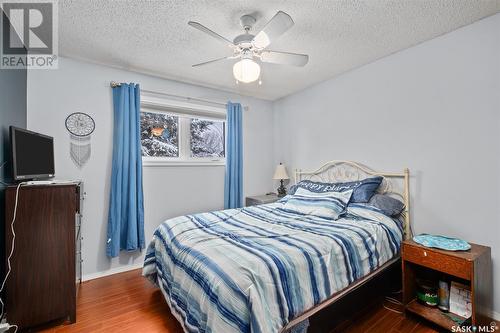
{"x": 233, "y": 185}
{"x": 126, "y": 202}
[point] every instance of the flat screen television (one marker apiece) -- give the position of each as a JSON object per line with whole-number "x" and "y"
{"x": 32, "y": 154}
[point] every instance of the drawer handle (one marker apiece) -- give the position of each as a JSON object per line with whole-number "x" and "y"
{"x": 425, "y": 253}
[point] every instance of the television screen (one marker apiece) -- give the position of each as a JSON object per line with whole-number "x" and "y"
{"x": 32, "y": 154}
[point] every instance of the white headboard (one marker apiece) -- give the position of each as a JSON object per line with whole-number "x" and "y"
{"x": 394, "y": 184}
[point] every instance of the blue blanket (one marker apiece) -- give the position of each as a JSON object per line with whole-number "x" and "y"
{"x": 255, "y": 269}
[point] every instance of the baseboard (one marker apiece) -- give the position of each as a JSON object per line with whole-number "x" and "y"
{"x": 111, "y": 271}
{"x": 495, "y": 316}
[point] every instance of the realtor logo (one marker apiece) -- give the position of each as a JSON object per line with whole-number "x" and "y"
{"x": 29, "y": 34}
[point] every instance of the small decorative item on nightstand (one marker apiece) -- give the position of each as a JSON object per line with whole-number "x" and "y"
{"x": 281, "y": 174}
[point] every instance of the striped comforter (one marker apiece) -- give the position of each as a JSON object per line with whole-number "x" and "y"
{"x": 254, "y": 269}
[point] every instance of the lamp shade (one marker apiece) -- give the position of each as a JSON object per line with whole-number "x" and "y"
{"x": 280, "y": 172}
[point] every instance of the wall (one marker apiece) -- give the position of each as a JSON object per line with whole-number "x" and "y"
{"x": 434, "y": 108}
{"x": 12, "y": 112}
{"x": 169, "y": 191}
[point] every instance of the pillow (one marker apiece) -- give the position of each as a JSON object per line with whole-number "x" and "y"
{"x": 363, "y": 190}
{"x": 325, "y": 204}
{"x": 388, "y": 205}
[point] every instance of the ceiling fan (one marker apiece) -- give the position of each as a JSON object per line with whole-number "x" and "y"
{"x": 248, "y": 47}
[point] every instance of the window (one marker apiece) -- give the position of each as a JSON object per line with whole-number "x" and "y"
{"x": 180, "y": 135}
{"x": 207, "y": 138}
{"x": 159, "y": 135}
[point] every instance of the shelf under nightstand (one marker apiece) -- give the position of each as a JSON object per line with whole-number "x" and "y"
{"x": 432, "y": 314}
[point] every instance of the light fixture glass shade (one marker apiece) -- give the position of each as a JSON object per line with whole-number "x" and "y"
{"x": 280, "y": 173}
{"x": 246, "y": 70}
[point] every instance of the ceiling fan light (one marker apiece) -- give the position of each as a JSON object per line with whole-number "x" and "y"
{"x": 261, "y": 40}
{"x": 246, "y": 70}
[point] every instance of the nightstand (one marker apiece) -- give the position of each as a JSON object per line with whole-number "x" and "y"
{"x": 472, "y": 268}
{"x": 261, "y": 199}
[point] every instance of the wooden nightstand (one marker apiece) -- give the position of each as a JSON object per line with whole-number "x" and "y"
{"x": 261, "y": 199}
{"x": 472, "y": 268}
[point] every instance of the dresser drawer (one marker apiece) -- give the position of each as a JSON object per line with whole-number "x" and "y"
{"x": 438, "y": 261}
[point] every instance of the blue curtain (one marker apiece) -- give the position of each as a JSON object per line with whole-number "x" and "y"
{"x": 233, "y": 186}
{"x": 126, "y": 206}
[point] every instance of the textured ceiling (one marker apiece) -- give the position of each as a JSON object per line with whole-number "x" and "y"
{"x": 153, "y": 36}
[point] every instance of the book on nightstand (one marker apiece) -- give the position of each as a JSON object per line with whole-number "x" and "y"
{"x": 460, "y": 301}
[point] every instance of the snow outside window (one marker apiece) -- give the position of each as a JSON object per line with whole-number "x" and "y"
{"x": 176, "y": 137}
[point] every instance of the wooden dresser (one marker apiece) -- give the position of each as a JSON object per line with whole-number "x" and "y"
{"x": 472, "y": 268}
{"x": 43, "y": 282}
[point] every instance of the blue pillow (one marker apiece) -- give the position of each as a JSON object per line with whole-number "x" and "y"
{"x": 388, "y": 205}
{"x": 363, "y": 190}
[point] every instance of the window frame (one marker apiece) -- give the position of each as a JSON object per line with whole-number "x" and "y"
{"x": 185, "y": 111}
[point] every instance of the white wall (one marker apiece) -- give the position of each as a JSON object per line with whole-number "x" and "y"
{"x": 168, "y": 191}
{"x": 434, "y": 108}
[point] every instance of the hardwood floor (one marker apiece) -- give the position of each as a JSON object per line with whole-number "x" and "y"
{"x": 127, "y": 302}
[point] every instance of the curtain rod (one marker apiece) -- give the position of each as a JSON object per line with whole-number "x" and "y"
{"x": 114, "y": 84}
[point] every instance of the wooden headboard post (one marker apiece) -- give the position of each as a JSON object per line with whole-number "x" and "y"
{"x": 342, "y": 171}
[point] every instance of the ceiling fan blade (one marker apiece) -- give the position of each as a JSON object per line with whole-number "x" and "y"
{"x": 211, "y": 61}
{"x": 277, "y": 26}
{"x": 201, "y": 27}
{"x": 284, "y": 58}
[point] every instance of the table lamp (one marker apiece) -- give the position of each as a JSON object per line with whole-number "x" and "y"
{"x": 281, "y": 174}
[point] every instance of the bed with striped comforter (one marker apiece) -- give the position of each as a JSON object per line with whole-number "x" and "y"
{"x": 254, "y": 269}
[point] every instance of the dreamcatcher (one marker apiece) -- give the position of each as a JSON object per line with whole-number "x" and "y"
{"x": 80, "y": 126}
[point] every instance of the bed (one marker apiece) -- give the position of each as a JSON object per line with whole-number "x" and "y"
{"x": 267, "y": 269}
